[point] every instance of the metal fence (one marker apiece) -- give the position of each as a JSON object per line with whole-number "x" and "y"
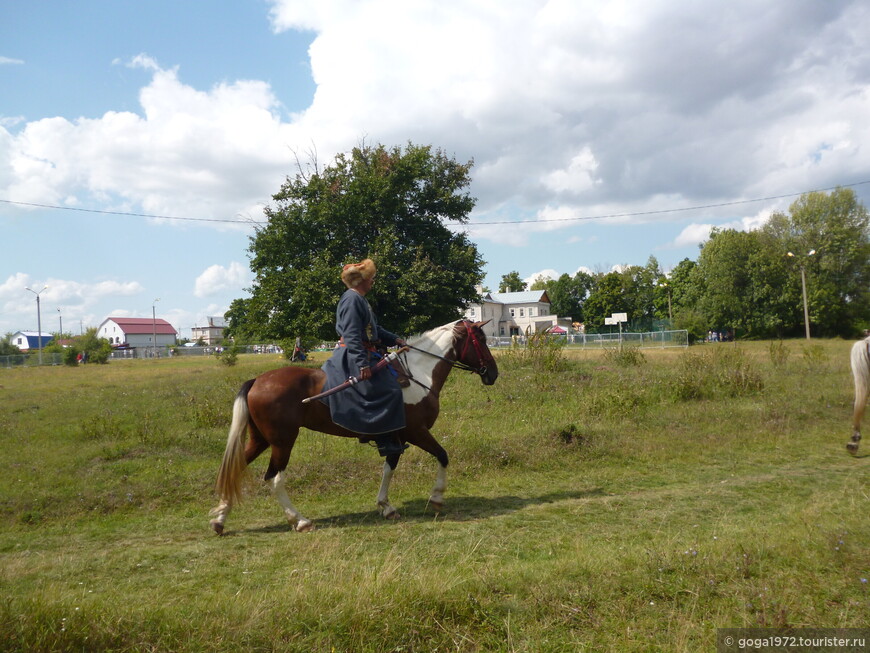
{"x": 646, "y": 340}
{"x": 30, "y": 360}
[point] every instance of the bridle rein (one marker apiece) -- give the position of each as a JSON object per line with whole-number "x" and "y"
{"x": 459, "y": 363}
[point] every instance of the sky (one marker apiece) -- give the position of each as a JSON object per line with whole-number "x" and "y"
{"x": 140, "y": 141}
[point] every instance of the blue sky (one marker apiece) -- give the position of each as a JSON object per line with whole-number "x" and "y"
{"x": 598, "y": 130}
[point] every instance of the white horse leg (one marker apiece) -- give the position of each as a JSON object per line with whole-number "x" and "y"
{"x": 219, "y": 515}
{"x": 386, "y": 509}
{"x": 861, "y": 374}
{"x": 294, "y": 517}
{"x": 436, "y": 499}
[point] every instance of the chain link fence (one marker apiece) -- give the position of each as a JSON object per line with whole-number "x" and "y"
{"x": 645, "y": 340}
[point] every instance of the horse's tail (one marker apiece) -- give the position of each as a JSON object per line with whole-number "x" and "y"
{"x": 861, "y": 374}
{"x": 233, "y": 465}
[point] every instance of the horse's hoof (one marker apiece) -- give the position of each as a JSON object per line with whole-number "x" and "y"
{"x": 304, "y": 526}
{"x": 852, "y": 448}
{"x": 217, "y": 527}
{"x": 393, "y": 515}
{"x": 436, "y": 506}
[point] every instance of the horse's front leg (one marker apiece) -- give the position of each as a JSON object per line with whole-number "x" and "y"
{"x": 384, "y": 506}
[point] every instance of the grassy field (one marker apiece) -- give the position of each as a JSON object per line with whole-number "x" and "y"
{"x": 598, "y": 502}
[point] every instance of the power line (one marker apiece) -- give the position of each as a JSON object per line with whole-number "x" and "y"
{"x": 473, "y": 224}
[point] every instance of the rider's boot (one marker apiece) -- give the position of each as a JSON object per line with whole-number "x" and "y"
{"x": 390, "y": 444}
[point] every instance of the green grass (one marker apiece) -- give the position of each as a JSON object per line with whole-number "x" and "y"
{"x": 632, "y": 503}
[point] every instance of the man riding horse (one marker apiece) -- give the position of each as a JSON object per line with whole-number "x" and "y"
{"x": 373, "y": 405}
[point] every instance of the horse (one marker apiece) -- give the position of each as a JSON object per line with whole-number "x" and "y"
{"x": 270, "y": 409}
{"x": 861, "y": 374}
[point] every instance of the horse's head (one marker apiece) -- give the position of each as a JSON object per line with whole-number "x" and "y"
{"x": 471, "y": 350}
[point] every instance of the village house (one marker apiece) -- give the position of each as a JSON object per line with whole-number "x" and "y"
{"x": 137, "y": 332}
{"x": 212, "y": 333}
{"x": 516, "y": 313}
{"x": 26, "y": 340}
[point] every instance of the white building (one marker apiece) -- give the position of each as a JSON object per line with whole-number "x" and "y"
{"x": 212, "y": 333}
{"x": 137, "y": 332}
{"x": 26, "y": 340}
{"x": 515, "y": 313}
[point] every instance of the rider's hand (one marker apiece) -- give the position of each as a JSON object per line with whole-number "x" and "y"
{"x": 365, "y": 373}
{"x": 400, "y": 342}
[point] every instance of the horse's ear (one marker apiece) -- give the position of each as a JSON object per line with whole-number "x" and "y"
{"x": 481, "y": 324}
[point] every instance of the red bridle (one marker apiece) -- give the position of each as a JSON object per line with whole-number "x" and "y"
{"x": 472, "y": 337}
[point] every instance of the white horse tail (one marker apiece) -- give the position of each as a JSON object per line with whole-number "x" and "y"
{"x": 233, "y": 465}
{"x": 861, "y": 374}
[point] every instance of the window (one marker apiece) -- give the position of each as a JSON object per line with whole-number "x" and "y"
{"x": 471, "y": 312}
{"x": 512, "y": 313}
{"x": 522, "y": 312}
{"x": 531, "y": 311}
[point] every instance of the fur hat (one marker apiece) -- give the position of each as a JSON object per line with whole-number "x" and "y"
{"x": 354, "y": 273}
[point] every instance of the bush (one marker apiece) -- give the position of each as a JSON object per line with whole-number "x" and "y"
{"x": 228, "y": 355}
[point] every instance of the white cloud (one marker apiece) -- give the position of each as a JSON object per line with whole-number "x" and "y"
{"x": 71, "y": 301}
{"x": 543, "y": 275}
{"x": 217, "y": 278}
{"x": 5, "y": 61}
{"x": 568, "y": 109}
{"x": 693, "y": 234}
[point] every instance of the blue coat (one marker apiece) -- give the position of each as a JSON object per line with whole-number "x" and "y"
{"x": 370, "y": 407}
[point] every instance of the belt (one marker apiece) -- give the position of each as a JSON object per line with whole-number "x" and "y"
{"x": 368, "y": 346}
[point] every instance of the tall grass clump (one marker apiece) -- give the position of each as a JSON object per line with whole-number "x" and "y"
{"x": 778, "y": 353}
{"x": 715, "y": 372}
{"x": 542, "y": 352}
{"x": 624, "y": 356}
{"x": 814, "y": 354}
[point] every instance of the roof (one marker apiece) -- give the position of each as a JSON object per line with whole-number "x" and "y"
{"x": 525, "y": 297}
{"x": 142, "y": 325}
{"x": 33, "y": 338}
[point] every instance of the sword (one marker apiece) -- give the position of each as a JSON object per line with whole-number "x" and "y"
{"x": 352, "y": 380}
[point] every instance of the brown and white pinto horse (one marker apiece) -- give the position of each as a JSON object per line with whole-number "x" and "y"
{"x": 861, "y": 375}
{"x": 270, "y": 409}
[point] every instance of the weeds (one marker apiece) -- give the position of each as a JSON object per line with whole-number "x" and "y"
{"x": 717, "y": 371}
{"x": 778, "y": 353}
{"x": 624, "y": 356}
{"x": 541, "y": 351}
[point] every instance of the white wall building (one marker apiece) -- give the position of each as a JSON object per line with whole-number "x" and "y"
{"x": 26, "y": 340}
{"x": 137, "y": 332}
{"x": 515, "y": 313}
{"x": 212, "y": 333}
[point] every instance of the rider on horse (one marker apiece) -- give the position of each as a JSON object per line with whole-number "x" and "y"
{"x": 374, "y": 406}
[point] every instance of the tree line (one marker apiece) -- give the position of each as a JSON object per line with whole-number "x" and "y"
{"x": 398, "y": 206}
{"x": 750, "y": 283}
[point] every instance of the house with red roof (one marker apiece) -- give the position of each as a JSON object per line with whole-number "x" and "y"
{"x": 137, "y": 332}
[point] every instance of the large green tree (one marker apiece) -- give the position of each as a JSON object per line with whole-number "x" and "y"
{"x": 511, "y": 282}
{"x": 834, "y": 226}
{"x": 392, "y": 205}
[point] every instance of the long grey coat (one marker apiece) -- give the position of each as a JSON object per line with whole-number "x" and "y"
{"x": 370, "y": 407}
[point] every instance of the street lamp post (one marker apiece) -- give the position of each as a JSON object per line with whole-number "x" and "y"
{"x": 154, "y": 326}
{"x": 804, "y": 290}
{"x": 38, "y": 320}
{"x": 60, "y": 319}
